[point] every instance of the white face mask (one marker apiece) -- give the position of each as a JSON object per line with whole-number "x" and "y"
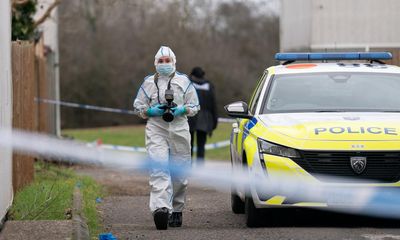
{"x": 165, "y": 69}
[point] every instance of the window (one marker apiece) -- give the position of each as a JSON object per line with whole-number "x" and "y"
{"x": 315, "y": 92}
{"x": 257, "y": 93}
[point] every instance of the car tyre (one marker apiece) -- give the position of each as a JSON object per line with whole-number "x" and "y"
{"x": 253, "y": 215}
{"x": 237, "y": 204}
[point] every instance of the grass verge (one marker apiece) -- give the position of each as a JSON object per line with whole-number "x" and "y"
{"x": 134, "y": 136}
{"x": 49, "y": 197}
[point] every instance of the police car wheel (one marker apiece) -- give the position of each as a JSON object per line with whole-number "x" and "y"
{"x": 236, "y": 203}
{"x": 253, "y": 215}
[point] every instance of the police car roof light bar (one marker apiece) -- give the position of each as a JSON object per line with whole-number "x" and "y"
{"x": 371, "y": 56}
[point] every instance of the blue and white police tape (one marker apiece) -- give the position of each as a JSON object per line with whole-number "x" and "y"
{"x": 226, "y": 120}
{"x": 103, "y": 109}
{"x": 85, "y": 106}
{"x": 209, "y": 146}
{"x": 216, "y": 145}
{"x": 357, "y": 199}
{"x": 117, "y": 147}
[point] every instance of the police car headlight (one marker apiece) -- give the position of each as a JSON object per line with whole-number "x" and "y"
{"x": 273, "y": 149}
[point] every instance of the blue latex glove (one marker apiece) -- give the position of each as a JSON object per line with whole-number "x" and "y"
{"x": 179, "y": 111}
{"x": 155, "y": 111}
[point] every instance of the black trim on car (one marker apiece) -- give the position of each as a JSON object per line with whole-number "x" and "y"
{"x": 266, "y": 93}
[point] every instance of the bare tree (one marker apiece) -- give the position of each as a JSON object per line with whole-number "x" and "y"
{"x": 104, "y": 57}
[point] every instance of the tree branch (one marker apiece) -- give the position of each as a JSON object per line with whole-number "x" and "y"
{"x": 18, "y": 2}
{"x": 47, "y": 13}
{"x": 15, "y": 3}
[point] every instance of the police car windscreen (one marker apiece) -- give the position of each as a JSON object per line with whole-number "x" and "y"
{"x": 316, "y": 92}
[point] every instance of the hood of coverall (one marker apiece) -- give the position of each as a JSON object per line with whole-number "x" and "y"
{"x": 165, "y": 52}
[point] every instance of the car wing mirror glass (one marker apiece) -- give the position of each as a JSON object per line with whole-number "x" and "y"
{"x": 238, "y": 110}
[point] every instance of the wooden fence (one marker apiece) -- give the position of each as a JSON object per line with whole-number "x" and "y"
{"x": 24, "y": 108}
{"x": 45, "y": 80}
{"x": 42, "y": 113}
{"x": 30, "y": 79}
{"x": 396, "y": 56}
{"x": 395, "y": 52}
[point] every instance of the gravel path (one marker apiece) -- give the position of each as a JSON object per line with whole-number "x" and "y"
{"x": 208, "y": 216}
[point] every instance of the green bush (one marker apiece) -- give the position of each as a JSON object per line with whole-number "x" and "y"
{"x": 23, "y": 25}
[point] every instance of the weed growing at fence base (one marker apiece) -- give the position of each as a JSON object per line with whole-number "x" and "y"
{"x": 49, "y": 197}
{"x": 134, "y": 136}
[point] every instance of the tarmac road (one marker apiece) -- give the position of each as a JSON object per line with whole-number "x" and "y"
{"x": 208, "y": 216}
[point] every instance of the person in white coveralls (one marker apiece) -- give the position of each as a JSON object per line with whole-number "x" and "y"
{"x": 167, "y": 135}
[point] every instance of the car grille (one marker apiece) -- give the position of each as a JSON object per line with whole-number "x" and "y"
{"x": 380, "y": 167}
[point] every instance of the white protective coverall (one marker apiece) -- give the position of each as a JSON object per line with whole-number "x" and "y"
{"x": 167, "y": 141}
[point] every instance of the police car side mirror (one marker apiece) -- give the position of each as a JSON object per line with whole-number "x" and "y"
{"x": 238, "y": 110}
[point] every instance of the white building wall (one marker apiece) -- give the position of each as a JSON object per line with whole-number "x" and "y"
{"x": 295, "y": 24}
{"x": 6, "y": 192}
{"x": 339, "y": 24}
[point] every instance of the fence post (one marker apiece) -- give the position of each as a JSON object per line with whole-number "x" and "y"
{"x": 52, "y": 92}
{"x": 396, "y": 56}
{"x": 43, "y": 110}
{"x": 395, "y": 52}
{"x": 24, "y": 107}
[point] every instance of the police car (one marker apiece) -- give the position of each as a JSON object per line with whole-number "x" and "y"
{"x": 325, "y": 117}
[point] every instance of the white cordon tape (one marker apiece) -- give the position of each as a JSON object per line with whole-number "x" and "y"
{"x": 117, "y": 147}
{"x": 85, "y": 106}
{"x": 209, "y": 146}
{"x": 216, "y": 145}
{"x": 226, "y": 120}
{"x": 103, "y": 109}
{"x": 382, "y": 202}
